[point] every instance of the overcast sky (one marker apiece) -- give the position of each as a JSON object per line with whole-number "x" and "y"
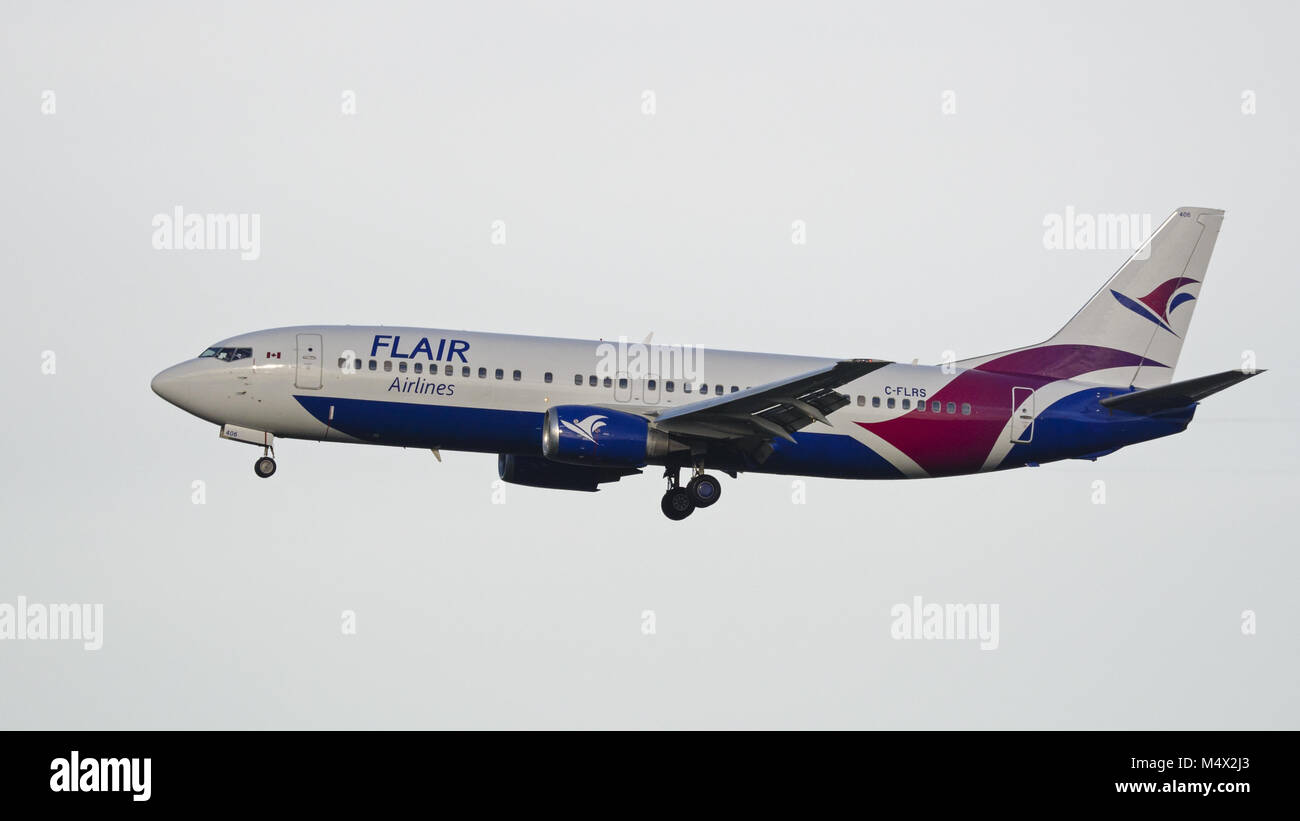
{"x": 922, "y": 145}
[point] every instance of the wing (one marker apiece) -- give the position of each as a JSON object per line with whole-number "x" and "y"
{"x": 748, "y": 420}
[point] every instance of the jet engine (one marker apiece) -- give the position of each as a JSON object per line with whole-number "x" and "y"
{"x": 534, "y": 471}
{"x": 587, "y": 435}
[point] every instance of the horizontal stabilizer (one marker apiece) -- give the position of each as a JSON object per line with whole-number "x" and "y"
{"x": 1177, "y": 394}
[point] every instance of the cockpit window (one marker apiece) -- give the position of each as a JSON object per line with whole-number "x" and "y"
{"x": 227, "y": 354}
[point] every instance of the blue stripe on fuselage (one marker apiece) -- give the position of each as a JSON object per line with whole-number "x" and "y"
{"x": 410, "y": 424}
{"x": 1073, "y": 426}
{"x": 1078, "y": 425}
{"x": 832, "y": 455}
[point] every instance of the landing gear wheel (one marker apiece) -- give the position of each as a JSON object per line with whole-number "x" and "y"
{"x": 704, "y": 490}
{"x": 677, "y": 504}
{"x": 264, "y": 467}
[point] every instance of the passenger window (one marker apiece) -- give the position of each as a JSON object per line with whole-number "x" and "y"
{"x": 482, "y": 373}
{"x": 591, "y": 380}
{"x": 936, "y": 406}
{"x": 609, "y": 383}
{"x": 734, "y": 389}
{"x": 577, "y": 379}
{"x": 717, "y": 390}
{"x": 547, "y": 378}
{"x": 965, "y": 409}
{"x": 401, "y": 367}
{"x": 862, "y": 400}
{"x": 373, "y": 365}
{"x": 418, "y": 367}
{"x": 907, "y": 403}
{"x": 704, "y": 387}
{"x": 357, "y": 365}
{"x": 622, "y": 383}
{"x": 952, "y": 407}
{"x": 889, "y": 403}
{"x": 686, "y": 387}
{"x": 449, "y": 371}
{"x": 668, "y": 386}
{"x": 650, "y": 385}
{"x": 465, "y": 372}
{"x": 342, "y": 362}
{"x": 500, "y": 374}
{"x": 875, "y": 401}
{"x": 388, "y": 366}
{"x": 516, "y": 376}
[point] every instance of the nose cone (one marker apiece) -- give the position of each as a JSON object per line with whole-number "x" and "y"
{"x": 167, "y": 384}
{"x": 198, "y": 386}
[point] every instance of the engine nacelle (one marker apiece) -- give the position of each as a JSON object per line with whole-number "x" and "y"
{"x": 585, "y": 435}
{"x": 534, "y": 471}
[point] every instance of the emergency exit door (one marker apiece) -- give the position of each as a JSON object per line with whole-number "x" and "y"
{"x": 1022, "y": 415}
{"x": 309, "y": 362}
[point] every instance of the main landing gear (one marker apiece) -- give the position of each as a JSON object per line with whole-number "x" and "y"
{"x": 265, "y": 465}
{"x": 701, "y": 491}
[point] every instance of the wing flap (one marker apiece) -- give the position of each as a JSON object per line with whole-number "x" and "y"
{"x": 774, "y": 410}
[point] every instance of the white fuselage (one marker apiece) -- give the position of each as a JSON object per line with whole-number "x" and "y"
{"x": 462, "y": 390}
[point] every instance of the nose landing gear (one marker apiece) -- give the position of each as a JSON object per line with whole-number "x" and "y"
{"x": 265, "y": 465}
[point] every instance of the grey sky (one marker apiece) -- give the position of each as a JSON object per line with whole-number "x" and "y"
{"x": 925, "y": 234}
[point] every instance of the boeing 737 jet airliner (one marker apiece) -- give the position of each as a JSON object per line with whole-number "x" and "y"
{"x": 572, "y": 415}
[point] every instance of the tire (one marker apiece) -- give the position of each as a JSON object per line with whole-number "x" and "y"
{"x": 704, "y": 490}
{"x": 264, "y": 467}
{"x": 677, "y": 504}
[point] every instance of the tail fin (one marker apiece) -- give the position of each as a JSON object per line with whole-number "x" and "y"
{"x": 1132, "y": 330}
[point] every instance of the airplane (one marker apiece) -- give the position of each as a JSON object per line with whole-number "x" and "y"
{"x": 576, "y": 414}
